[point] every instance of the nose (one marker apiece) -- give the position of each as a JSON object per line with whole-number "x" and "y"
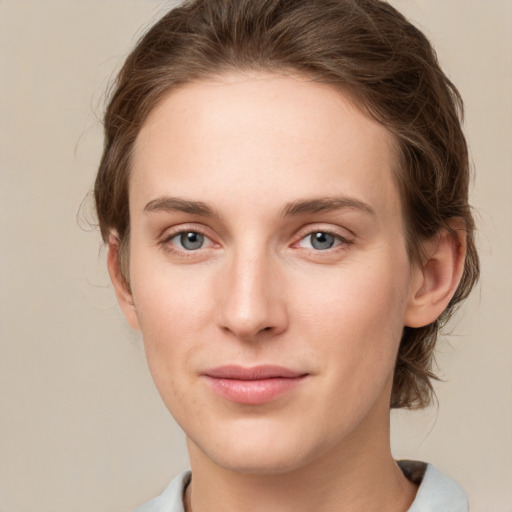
{"x": 252, "y": 297}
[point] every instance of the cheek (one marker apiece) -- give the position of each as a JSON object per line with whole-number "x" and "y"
{"x": 169, "y": 299}
{"x": 357, "y": 318}
{"x": 354, "y": 297}
{"x": 173, "y": 312}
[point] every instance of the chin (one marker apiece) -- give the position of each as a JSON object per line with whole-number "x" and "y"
{"x": 258, "y": 449}
{"x": 257, "y": 462}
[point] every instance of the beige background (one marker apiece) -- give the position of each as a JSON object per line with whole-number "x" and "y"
{"x": 81, "y": 427}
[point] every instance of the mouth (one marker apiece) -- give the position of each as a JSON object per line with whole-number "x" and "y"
{"x": 253, "y": 385}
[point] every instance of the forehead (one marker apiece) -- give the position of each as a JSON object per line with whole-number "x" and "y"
{"x": 241, "y": 134}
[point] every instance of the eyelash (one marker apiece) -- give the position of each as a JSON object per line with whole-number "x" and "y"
{"x": 337, "y": 236}
{"x": 190, "y": 253}
{"x": 342, "y": 245}
{"x": 166, "y": 244}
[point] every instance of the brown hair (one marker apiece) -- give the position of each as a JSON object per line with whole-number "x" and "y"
{"x": 364, "y": 47}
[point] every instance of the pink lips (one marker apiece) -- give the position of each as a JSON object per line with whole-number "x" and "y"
{"x": 255, "y": 385}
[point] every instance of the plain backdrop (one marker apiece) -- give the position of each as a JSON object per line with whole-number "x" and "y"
{"x": 81, "y": 427}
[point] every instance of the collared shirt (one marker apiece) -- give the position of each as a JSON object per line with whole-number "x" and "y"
{"x": 436, "y": 492}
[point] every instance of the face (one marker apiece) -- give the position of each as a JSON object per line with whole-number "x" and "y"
{"x": 268, "y": 269}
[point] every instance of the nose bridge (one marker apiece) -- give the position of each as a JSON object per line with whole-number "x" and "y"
{"x": 250, "y": 301}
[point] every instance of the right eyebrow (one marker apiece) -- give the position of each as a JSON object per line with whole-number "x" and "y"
{"x": 177, "y": 204}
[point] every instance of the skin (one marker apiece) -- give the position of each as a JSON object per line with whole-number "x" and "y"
{"x": 265, "y": 155}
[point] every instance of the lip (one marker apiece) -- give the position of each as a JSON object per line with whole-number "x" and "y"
{"x": 253, "y": 385}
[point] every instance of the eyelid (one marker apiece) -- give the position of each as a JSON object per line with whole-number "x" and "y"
{"x": 170, "y": 233}
{"x": 308, "y": 240}
{"x": 344, "y": 234}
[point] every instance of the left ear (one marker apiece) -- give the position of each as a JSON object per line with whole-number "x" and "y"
{"x": 435, "y": 280}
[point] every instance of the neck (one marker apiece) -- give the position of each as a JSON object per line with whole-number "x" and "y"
{"x": 355, "y": 477}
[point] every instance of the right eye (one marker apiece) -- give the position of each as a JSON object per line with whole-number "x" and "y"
{"x": 188, "y": 240}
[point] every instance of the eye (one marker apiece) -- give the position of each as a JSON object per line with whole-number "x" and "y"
{"x": 320, "y": 241}
{"x": 188, "y": 240}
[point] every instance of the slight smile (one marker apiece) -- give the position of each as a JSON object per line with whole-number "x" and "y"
{"x": 253, "y": 385}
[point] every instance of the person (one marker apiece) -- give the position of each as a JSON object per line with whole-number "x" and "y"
{"x": 284, "y": 195}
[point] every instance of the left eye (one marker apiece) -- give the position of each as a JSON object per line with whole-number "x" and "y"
{"x": 320, "y": 241}
{"x": 189, "y": 240}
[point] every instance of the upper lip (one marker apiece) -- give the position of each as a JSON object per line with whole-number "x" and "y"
{"x": 253, "y": 373}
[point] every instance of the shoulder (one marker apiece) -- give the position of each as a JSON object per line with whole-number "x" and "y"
{"x": 436, "y": 491}
{"x": 171, "y": 500}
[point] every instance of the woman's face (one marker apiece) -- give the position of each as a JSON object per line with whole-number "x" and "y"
{"x": 268, "y": 269}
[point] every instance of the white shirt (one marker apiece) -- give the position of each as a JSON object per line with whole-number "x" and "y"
{"x": 436, "y": 492}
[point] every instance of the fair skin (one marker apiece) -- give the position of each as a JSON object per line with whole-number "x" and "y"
{"x": 295, "y": 258}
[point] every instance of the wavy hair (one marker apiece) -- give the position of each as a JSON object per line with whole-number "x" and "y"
{"x": 363, "y": 47}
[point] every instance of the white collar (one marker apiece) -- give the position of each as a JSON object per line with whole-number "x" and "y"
{"x": 436, "y": 492}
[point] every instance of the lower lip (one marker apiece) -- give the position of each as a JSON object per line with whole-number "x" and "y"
{"x": 254, "y": 392}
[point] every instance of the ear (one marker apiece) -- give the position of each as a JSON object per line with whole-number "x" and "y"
{"x": 435, "y": 281}
{"x": 121, "y": 286}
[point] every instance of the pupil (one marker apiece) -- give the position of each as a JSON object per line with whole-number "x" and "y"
{"x": 191, "y": 240}
{"x": 322, "y": 241}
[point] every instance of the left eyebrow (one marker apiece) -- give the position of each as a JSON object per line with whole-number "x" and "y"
{"x": 326, "y": 204}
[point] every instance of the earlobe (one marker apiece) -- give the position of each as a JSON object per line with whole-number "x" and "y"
{"x": 121, "y": 286}
{"x": 435, "y": 281}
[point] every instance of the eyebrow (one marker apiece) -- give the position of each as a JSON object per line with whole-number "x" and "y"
{"x": 176, "y": 204}
{"x": 326, "y": 204}
{"x": 295, "y": 208}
